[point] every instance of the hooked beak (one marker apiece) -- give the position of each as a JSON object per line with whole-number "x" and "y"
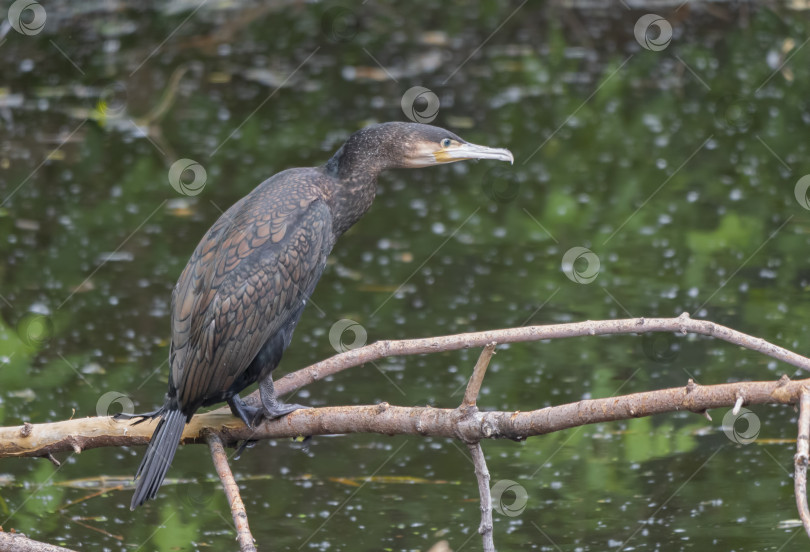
{"x": 460, "y": 152}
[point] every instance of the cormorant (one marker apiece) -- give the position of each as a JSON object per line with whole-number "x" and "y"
{"x": 241, "y": 294}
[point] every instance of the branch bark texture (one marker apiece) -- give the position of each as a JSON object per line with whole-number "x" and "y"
{"x": 382, "y": 349}
{"x": 84, "y": 433}
{"x": 17, "y": 542}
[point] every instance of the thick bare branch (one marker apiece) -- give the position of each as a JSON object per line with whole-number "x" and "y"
{"x": 17, "y": 542}
{"x": 801, "y": 459}
{"x": 42, "y": 439}
{"x": 240, "y": 519}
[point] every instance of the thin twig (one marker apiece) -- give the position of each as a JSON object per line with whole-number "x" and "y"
{"x": 482, "y": 475}
{"x": 477, "y": 378}
{"x": 240, "y": 519}
{"x": 801, "y": 459}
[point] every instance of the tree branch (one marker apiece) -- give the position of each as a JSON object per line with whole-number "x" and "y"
{"x": 240, "y": 519}
{"x": 382, "y": 349}
{"x": 465, "y": 423}
{"x": 477, "y": 378}
{"x": 79, "y": 434}
{"x": 466, "y": 409}
{"x": 801, "y": 459}
{"x": 85, "y": 433}
{"x": 17, "y": 542}
{"x": 482, "y": 475}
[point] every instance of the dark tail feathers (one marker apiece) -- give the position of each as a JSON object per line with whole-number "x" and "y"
{"x": 159, "y": 455}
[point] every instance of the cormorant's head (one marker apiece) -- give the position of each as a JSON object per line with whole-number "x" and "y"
{"x": 419, "y": 145}
{"x": 410, "y": 145}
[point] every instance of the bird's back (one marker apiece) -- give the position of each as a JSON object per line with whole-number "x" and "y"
{"x": 247, "y": 277}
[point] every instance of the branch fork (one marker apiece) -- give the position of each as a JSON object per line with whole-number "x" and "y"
{"x": 469, "y": 407}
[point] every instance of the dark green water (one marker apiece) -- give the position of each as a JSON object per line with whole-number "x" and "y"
{"x": 676, "y": 167}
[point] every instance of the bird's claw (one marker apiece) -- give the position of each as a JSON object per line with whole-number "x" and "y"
{"x": 139, "y": 418}
{"x": 281, "y": 409}
{"x": 253, "y": 416}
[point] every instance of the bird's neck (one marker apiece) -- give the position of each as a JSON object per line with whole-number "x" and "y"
{"x": 354, "y": 185}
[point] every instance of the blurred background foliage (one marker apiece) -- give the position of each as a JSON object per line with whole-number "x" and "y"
{"x": 677, "y": 168}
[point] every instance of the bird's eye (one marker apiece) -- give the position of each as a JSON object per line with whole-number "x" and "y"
{"x": 446, "y": 142}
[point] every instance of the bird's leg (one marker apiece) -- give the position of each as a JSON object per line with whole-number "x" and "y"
{"x": 273, "y": 406}
{"x": 248, "y": 414}
{"x": 271, "y": 409}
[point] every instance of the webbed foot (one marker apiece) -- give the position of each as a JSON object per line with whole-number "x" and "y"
{"x": 278, "y": 409}
{"x": 140, "y": 417}
{"x": 250, "y": 415}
